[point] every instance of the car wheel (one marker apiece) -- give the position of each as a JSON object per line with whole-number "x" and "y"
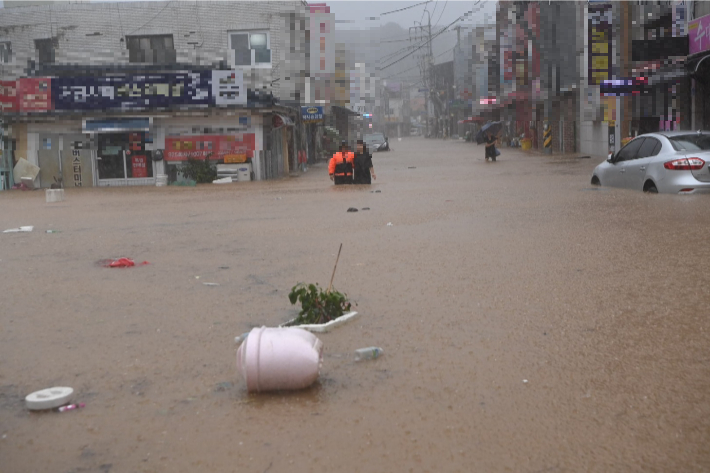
{"x": 650, "y": 188}
{"x": 596, "y": 181}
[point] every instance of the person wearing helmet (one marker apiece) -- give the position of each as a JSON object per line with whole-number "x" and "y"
{"x": 340, "y": 167}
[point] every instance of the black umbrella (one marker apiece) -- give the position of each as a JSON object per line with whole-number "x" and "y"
{"x": 493, "y": 128}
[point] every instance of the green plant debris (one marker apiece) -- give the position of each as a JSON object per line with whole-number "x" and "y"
{"x": 317, "y": 306}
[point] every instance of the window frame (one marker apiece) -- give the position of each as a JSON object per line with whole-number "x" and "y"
{"x": 650, "y": 139}
{"x": 53, "y": 43}
{"x": 640, "y": 140}
{"x": 254, "y": 64}
{"x": 138, "y": 38}
{"x": 9, "y": 52}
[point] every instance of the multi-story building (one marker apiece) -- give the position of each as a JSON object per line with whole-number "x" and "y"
{"x": 100, "y": 88}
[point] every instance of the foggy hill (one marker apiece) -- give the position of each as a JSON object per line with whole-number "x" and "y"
{"x": 383, "y": 45}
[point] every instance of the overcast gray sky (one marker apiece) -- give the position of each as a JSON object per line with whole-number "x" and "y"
{"x": 351, "y": 14}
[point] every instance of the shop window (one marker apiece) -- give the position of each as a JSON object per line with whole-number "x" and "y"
{"x": 251, "y": 49}
{"x": 45, "y": 50}
{"x": 5, "y": 53}
{"x": 154, "y": 49}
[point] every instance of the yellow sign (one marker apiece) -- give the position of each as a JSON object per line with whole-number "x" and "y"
{"x": 612, "y": 123}
{"x": 235, "y": 158}
{"x": 609, "y": 104}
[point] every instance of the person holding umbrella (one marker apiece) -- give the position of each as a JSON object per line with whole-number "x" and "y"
{"x": 488, "y": 134}
{"x": 491, "y": 142}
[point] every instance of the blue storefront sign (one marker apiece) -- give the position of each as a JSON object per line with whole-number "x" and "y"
{"x": 312, "y": 114}
{"x": 133, "y": 92}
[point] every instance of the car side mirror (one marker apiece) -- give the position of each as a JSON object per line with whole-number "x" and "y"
{"x": 610, "y": 158}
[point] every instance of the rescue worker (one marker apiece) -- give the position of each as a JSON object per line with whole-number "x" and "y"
{"x": 340, "y": 167}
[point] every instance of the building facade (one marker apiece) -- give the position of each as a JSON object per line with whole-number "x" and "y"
{"x": 126, "y": 91}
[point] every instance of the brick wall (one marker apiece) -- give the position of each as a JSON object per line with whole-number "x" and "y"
{"x": 199, "y": 29}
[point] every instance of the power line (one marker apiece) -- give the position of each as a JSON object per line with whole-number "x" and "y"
{"x": 406, "y": 70}
{"x": 434, "y": 37}
{"x": 442, "y": 12}
{"x": 406, "y": 8}
{"x": 153, "y": 18}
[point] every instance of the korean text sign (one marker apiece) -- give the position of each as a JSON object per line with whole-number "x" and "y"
{"x": 699, "y": 35}
{"x": 181, "y": 148}
{"x": 312, "y": 114}
{"x": 132, "y": 92}
{"x": 600, "y": 23}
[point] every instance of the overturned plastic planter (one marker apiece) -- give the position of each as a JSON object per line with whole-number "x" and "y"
{"x": 275, "y": 359}
{"x": 326, "y": 327}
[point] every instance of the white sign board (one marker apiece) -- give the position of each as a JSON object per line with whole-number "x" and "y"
{"x": 228, "y": 88}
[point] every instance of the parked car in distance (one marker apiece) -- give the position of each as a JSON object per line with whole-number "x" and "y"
{"x": 376, "y": 142}
{"x": 672, "y": 162}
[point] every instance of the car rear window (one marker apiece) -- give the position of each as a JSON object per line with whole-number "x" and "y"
{"x": 693, "y": 142}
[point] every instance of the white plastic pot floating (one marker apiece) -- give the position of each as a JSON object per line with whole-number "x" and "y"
{"x": 276, "y": 359}
{"x": 48, "y": 398}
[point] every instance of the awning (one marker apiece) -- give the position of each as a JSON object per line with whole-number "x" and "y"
{"x": 116, "y": 124}
{"x": 279, "y": 121}
{"x": 471, "y": 120}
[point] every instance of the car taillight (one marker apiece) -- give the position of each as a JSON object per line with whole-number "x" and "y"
{"x": 685, "y": 164}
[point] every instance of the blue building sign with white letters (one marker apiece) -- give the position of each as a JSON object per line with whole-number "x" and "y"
{"x": 312, "y": 114}
{"x": 133, "y": 92}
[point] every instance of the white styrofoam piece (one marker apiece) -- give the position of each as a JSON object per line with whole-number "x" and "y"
{"x": 21, "y": 229}
{"x": 24, "y": 168}
{"x": 48, "y": 398}
{"x": 54, "y": 195}
{"x": 326, "y": 327}
{"x": 224, "y": 180}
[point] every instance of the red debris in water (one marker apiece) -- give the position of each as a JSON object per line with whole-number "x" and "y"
{"x": 123, "y": 263}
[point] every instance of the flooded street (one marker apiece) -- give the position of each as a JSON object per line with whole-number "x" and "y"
{"x": 529, "y": 322}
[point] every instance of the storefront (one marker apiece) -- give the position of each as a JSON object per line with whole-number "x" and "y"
{"x": 71, "y": 139}
{"x": 123, "y": 150}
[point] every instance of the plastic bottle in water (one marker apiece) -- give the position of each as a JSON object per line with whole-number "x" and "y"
{"x": 369, "y": 353}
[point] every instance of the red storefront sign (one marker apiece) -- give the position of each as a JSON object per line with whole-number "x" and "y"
{"x": 8, "y": 96}
{"x": 35, "y": 95}
{"x": 139, "y": 166}
{"x": 182, "y": 148}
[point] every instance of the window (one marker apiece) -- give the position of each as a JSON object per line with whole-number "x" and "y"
{"x": 322, "y": 44}
{"x": 628, "y": 152}
{"x": 45, "y": 50}
{"x": 657, "y": 149}
{"x": 323, "y": 28}
{"x": 251, "y": 49}
{"x": 158, "y": 49}
{"x": 647, "y": 148}
{"x": 694, "y": 142}
{"x": 5, "y": 53}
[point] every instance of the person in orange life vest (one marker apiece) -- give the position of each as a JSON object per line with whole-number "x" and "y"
{"x": 340, "y": 166}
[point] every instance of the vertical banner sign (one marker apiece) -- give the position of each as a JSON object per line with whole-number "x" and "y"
{"x": 679, "y": 18}
{"x": 139, "y": 166}
{"x": 599, "y": 43}
{"x": 138, "y": 159}
{"x": 76, "y": 166}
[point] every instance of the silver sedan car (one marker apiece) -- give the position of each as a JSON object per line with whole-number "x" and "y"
{"x": 672, "y": 162}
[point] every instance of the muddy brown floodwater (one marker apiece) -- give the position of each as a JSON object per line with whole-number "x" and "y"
{"x": 491, "y": 274}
